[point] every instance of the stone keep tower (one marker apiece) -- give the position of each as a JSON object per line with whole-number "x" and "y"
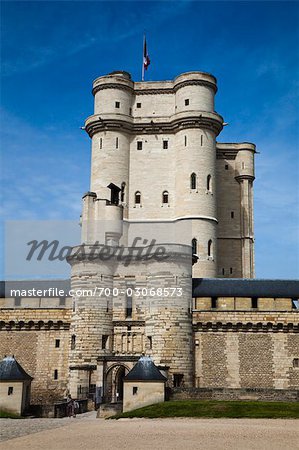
{"x": 155, "y": 161}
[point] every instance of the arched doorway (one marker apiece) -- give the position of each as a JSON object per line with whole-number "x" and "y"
{"x": 114, "y": 390}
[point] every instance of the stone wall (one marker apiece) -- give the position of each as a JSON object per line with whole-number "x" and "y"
{"x": 275, "y": 395}
{"x": 32, "y": 336}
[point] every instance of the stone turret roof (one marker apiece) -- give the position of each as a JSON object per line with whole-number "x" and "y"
{"x": 11, "y": 370}
{"x": 145, "y": 370}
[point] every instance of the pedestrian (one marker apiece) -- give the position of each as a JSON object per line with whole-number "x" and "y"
{"x": 70, "y": 406}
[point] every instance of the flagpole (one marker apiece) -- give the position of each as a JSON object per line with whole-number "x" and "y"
{"x": 142, "y": 73}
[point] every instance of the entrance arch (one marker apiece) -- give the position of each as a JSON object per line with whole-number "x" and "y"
{"x": 114, "y": 385}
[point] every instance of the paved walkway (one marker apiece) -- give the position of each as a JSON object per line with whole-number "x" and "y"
{"x": 89, "y": 433}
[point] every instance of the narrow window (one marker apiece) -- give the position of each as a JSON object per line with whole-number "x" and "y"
{"x": 254, "y": 303}
{"x": 117, "y": 104}
{"x": 177, "y": 379}
{"x": 57, "y": 343}
{"x": 193, "y": 181}
{"x": 55, "y": 374}
{"x": 137, "y": 198}
{"x": 116, "y": 142}
{"x": 231, "y": 270}
{"x": 73, "y": 342}
{"x": 209, "y": 183}
{"x": 139, "y": 145}
{"x": 185, "y": 139}
{"x": 210, "y": 248}
{"x": 165, "y": 197}
{"x": 138, "y": 105}
{"x": 194, "y": 246}
{"x": 232, "y": 214}
{"x": 130, "y": 111}
{"x": 135, "y": 390}
{"x": 101, "y": 143}
{"x": 243, "y": 165}
{"x": 214, "y": 302}
{"x": 122, "y": 192}
{"x": 104, "y": 341}
{"x": 201, "y": 140}
{"x": 129, "y": 306}
{"x": 226, "y": 166}
{"x": 223, "y": 271}
{"x": 295, "y": 363}
{"x": 150, "y": 342}
{"x": 186, "y": 101}
{"x": 165, "y": 145}
{"x": 10, "y": 390}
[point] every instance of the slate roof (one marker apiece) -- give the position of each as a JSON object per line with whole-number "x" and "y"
{"x": 145, "y": 370}
{"x": 11, "y": 370}
{"x": 238, "y": 287}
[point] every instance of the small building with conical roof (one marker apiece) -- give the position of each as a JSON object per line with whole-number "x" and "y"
{"x": 143, "y": 385}
{"x": 15, "y": 386}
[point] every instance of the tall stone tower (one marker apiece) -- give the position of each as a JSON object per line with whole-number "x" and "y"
{"x": 156, "y": 172}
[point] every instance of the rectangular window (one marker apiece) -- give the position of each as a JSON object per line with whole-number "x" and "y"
{"x": 129, "y": 306}
{"x": 104, "y": 341}
{"x": 139, "y": 145}
{"x": 295, "y": 363}
{"x": 232, "y": 214}
{"x": 201, "y": 140}
{"x": 116, "y": 142}
{"x": 150, "y": 342}
{"x": 138, "y": 105}
{"x": 177, "y": 379}
{"x": 226, "y": 166}
{"x": 222, "y": 271}
{"x": 55, "y": 374}
{"x": 165, "y": 145}
{"x": 18, "y": 301}
{"x": 57, "y": 343}
{"x": 186, "y": 101}
{"x": 10, "y": 390}
{"x": 73, "y": 342}
{"x": 135, "y": 390}
{"x": 231, "y": 270}
{"x": 185, "y": 139}
{"x": 214, "y": 302}
{"x": 117, "y": 104}
{"x": 254, "y": 303}
{"x": 61, "y": 301}
{"x": 101, "y": 143}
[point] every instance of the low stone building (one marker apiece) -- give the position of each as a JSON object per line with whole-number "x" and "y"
{"x": 15, "y": 386}
{"x": 143, "y": 385}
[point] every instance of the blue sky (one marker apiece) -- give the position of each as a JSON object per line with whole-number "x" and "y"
{"x": 51, "y": 52}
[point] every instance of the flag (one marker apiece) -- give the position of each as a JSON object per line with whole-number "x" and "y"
{"x": 146, "y": 60}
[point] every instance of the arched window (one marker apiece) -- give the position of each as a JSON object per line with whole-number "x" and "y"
{"x": 209, "y": 183}
{"x": 165, "y": 197}
{"x": 122, "y": 192}
{"x": 210, "y": 248}
{"x": 194, "y": 246}
{"x": 137, "y": 198}
{"x": 193, "y": 181}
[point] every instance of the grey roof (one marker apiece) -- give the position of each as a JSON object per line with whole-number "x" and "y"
{"x": 145, "y": 370}
{"x": 238, "y": 287}
{"x": 11, "y": 370}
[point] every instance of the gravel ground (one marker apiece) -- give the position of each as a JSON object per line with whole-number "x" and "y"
{"x": 89, "y": 433}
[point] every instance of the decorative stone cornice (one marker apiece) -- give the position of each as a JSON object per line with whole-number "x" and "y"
{"x": 195, "y": 83}
{"x": 240, "y": 178}
{"x": 123, "y": 87}
{"x": 95, "y": 124}
{"x": 19, "y": 325}
{"x": 247, "y": 327}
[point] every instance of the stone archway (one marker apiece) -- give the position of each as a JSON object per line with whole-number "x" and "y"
{"x": 114, "y": 383}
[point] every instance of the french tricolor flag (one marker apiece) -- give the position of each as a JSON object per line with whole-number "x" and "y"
{"x": 146, "y": 60}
